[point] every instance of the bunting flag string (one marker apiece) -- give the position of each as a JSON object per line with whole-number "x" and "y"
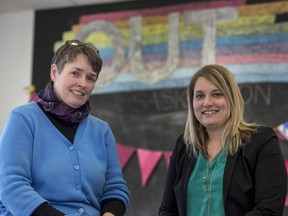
{"x": 148, "y": 159}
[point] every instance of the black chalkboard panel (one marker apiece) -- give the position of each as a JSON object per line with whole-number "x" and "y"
{"x": 154, "y": 119}
{"x": 148, "y": 119}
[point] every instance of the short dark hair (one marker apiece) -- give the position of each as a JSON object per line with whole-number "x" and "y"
{"x": 70, "y": 50}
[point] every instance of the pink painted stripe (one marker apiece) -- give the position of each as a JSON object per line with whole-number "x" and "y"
{"x": 124, "y": 15}
{"x": 286, "y": 202}
{"x": 253, "y": 49}
{"x": 257, "y": 58}
{"x": 286, "y": 163}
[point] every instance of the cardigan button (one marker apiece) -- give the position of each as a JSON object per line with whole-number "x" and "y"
{"x": 81, "y": 210}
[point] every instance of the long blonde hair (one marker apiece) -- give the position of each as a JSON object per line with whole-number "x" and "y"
{"x": 237, "y": 132}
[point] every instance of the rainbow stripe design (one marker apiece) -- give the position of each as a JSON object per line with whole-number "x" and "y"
{"x": 159, "y": 48}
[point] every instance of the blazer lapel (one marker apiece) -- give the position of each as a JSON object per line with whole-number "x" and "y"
{"x": 229, "y": 167}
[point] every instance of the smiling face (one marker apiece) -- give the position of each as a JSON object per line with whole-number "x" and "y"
{"x": 74, "y": 84}
{"x": 209, "y": 105}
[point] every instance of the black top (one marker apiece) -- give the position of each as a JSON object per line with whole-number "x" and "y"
{"x": 254, "y": 181}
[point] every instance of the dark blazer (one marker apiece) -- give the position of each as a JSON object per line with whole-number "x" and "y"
{"x": 254, "y": 182}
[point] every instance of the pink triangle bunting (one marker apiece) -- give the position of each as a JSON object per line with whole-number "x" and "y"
{"x": 34, "y": 96}
{"x": 125, "y": 153}
{"x": 167, "y": 155}
{"x": 283, "y": 130}
{"x": 148, "y": 160}
{"x": 280, "y": 135}
{"x": 32, "y": 93}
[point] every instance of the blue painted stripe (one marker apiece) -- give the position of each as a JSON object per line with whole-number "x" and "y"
{"x": 251, "y": 39}
{"x": 244, "y": 40}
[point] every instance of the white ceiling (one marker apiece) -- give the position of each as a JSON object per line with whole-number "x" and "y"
{"x": 7, "y": 6}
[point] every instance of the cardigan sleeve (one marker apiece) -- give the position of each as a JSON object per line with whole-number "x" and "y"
{"x": 115, "y": 186}
{"x": 16, "y": 192}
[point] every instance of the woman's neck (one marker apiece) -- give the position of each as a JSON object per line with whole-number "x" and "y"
{"x": 214, "y": 144}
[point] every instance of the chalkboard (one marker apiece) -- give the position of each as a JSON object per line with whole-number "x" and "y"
{"x": 154, "y": 119}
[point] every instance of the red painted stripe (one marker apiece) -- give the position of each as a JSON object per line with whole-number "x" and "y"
{"x": 257, "y": 58}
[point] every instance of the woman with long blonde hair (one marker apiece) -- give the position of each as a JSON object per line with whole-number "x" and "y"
{"x": 221, "y": 164}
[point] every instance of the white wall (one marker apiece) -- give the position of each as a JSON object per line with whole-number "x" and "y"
{"x": 16, "y": 54}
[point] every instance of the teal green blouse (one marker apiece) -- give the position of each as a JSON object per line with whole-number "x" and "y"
{"x": 205, "y": 187}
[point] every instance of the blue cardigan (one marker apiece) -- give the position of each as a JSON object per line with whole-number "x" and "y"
{"x": 38, "y": 164}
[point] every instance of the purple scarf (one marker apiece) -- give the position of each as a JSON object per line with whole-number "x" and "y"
{"x": 52, "y": 104}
